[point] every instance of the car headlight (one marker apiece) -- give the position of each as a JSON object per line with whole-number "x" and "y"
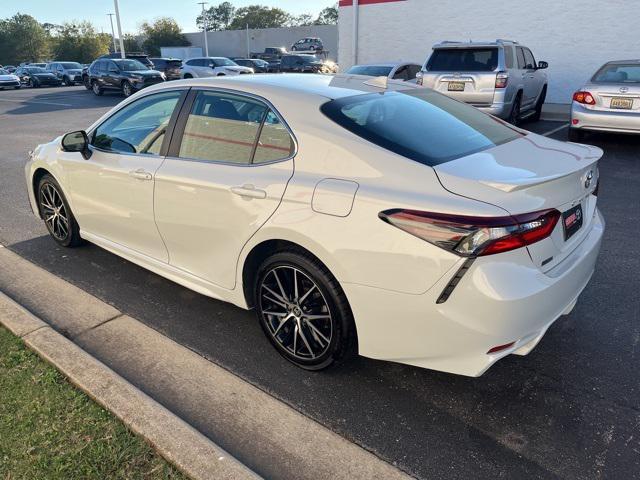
{"x": 163, "y": 76}
{"x": 136, "y": 77}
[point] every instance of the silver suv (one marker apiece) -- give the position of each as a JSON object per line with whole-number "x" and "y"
{"x": 500, "y": 77}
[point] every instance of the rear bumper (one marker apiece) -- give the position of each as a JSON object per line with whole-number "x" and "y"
{"x": 501, "y": 110}
{"x": 608, "y": 121}
{"x": 497, "y": 302}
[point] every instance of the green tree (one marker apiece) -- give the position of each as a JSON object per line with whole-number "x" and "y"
{"x": 79, "y": 42}
{"x": 22, "y": 39}
{"x": 217, "y": 17}
{"x": 131, "y": 43}
{"x": 164, "y": 32}
{"x": 328, "y": 16}
{"x": 302, "y": 20}
{"x": 258, "y": 16}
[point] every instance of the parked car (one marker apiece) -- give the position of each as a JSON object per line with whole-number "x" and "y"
{"x": 212, "y": 67}
{"x": 143, "y": 58}
{"x": 126, "y": 75}
{"x": 69, "y": 72}
{"x": 304, "y": 63}
{"x": 461, "y": 239}
{"x": 28, "y": 64}
{"x": 10, "y": 68}
{"x": 405, "y": 71}
{"x": 308, "y": 44}
{"x": 501, "y": 77}
{"x": 270, "y": 54}
{"x": 37, "y": 77}
{"x": 258, "y": 65}
{"x": 169, "y": 66}
{"x": 609, "y": 102}
{"x": 8, "y": 80}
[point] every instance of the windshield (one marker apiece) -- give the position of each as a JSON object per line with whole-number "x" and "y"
{"x": 3, "y": 72}
{"x": 130, "y": 65}
{"x": 618, "y": 73}
{"x": 36, "y": 70}
{"x": 225, "y": 62}
{"x": 419, "y": 124}
{"x": 309, "y": 58}
{"x": 71, "y": 65}
{"x": 261, "y": 63}
{"x": 463, "y": 60}
{"x": 372, "y": 70}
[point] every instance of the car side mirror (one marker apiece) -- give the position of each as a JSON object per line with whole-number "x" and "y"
{"x": 542, "y": 65}
{"x": 77, "y": 142}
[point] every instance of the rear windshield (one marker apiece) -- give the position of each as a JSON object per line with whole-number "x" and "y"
{"x": 69, "y": 65}
{"x": 419, "y": 124}
{"x": 463, "y": 60}
{"x": 372, "y": 70}
{"x": 618, "y": 73}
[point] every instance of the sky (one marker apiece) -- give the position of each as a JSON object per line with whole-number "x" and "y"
{"x": 134, "y": 12}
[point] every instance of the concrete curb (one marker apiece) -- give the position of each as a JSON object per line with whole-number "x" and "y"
{"x": 174, "y": 439}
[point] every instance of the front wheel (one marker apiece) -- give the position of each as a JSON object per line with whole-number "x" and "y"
{"x": 303, "y": 311}
{"x": 86, "y": 82}
{"x": 96, "y": 88}
{"x": 127, "y": 89}
{"x": 55, "y": 212}
{"x": 67, "y": 81}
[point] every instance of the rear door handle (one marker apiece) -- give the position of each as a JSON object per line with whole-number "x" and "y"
{"x": 249, "y": 191}
{"x": 140, "y": 174}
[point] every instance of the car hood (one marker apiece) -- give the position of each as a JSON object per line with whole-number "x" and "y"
{"x": 144, "y": 73}
{"x": 7, "y": 78}
{"x": 528, "y": 174}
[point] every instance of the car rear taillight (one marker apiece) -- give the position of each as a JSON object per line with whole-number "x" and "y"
{"x": 474, "y": 236}
{"x": 584, "y": 98}
{"x": 502, "y": 78}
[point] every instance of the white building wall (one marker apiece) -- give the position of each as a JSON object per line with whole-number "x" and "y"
{"x": 574, "y": 36}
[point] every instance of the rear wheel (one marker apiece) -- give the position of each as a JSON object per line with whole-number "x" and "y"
{"x": 514, "y": 115}
{"x": 55, "y": 211}
{"x": 539, "y": 104}
{"x": 303, "y": 311}
{"x": 96, "y": 88}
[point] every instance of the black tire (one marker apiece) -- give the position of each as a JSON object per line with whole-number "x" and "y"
{"x": 86, "y": 82}
{"x": 17, "y": 87}
{"x": 539, "y": 104}
{"x": 220, "y": 75}
{"x": 328, "y": 340}
{"x": 127, "y": 89}
{"x": 575, "y": 135}
{"x": 188, "y": 75}
{"x": 56, "y": 204}
{"x": 514, "y": 115}
{"x": 95, "y": 87}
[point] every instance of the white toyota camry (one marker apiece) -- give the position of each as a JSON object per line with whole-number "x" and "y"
{"x": 354, "y": 215}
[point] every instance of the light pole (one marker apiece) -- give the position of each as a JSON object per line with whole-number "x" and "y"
{"x": 115, "y": 4}
{"x": 204, "y": 29}
{"x": 113, "y": 34}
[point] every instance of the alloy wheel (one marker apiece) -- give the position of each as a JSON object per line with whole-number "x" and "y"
{"x": 126, "y": 89}
{"x": 296, "y": 313}
{"x": 54, "y": 211}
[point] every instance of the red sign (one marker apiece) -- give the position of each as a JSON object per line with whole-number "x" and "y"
{"x": 348, "y": 3}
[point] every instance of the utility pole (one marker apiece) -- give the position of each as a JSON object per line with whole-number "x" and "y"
{"x": 204, "y": 29}
{"x": 115, "y": 4}
{"x": 113, "y": 33}
{"x": 248, "y": 43}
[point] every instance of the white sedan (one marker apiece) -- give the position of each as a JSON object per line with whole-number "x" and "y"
{"x": 353, "y": 216}
{"x": 212, "y": 67}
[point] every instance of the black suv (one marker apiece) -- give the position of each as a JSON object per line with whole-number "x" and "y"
{"x": 258, "y": 65}
{"x": 143, "y": 58}
{"x": 122, "y": 74}
{"x": 302, "y": 63}
{"x": 169, "y": 66}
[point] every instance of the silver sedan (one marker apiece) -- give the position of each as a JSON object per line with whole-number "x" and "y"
{"x": 610, "y": 102}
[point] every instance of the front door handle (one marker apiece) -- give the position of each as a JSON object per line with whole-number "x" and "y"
{"x": 140, "y": 174}
{"x": 249, "y": 191}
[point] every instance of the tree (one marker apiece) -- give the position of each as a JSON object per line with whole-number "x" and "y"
{"x": 164, "y": 32}
{"x": 303, "y": 20}
{"x": 79, "y": 42}
{"x": 23, "y": 40}
{"x": 258, "y": 16}
{"x": 217, "y": 17}
{"x": 131, "y": 43}
{"x": 328, "y": 16}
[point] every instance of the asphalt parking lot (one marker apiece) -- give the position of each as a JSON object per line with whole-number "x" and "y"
{"x": 570, "y": 409}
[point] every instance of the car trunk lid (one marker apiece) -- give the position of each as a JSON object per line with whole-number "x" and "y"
{"x": 619, "y": 97}
{"x": 531, "y": 174}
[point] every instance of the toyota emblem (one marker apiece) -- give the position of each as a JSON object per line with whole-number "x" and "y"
{"x": 624, "y": 89}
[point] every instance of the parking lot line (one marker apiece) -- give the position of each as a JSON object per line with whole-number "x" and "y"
{"x": 37, "y": 102}
{"x": 557, "y": 129}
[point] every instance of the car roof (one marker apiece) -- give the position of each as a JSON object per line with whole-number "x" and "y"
{"x": 622, "y": 62}
{"x": 267, "y": 85}
{"x": 462, "y": 44}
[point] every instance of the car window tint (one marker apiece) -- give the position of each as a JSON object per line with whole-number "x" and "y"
{"x": 618, "y": 73}
{"x": 139, "y": 127}
{"x": 222, "y": 128}
{"x": 521, "y": 60}
{"x": 275, "y": 142}
{"x": 508, "y": 57}
{"x": 463, "y": 60}
{"x": 413, "y": 71}
{"x": 530, "y": 62}
{"x": 402, "y": 73}
{"x": 420, "y": 124}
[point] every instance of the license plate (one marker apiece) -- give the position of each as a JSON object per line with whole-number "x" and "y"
{"x": 456, "y": 86}
{"x": 622, "y": 103}
{"x": 572, "y": 221}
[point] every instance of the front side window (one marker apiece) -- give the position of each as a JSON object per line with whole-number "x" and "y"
{"x": 224, "y": 62}
{"x": 419, "y": 124}
{"x": 521, "y": 61}
{"x": 463, "y": 60}
{"x": 139, "y": 127}
{"x": 530, "y": 62}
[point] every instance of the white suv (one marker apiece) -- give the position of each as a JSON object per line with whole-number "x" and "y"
{"x": 212, "y": 67}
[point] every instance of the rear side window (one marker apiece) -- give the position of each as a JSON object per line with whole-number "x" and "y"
{"x": 420, "y": 124}
{"x": 463, "y": 60}
{"x": 274, "y": 143}
{"x": 372, "y": 70}
{"x": 508, "y": 57}
{"x": 618, "y": 73}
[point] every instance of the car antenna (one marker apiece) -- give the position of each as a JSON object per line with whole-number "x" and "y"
{"x": 379, "y": 82}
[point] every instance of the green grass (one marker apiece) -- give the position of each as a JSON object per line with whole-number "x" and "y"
{"x": 51, "y": 430}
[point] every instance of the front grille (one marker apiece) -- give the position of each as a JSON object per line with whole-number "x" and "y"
{"x": 9, "y": 83}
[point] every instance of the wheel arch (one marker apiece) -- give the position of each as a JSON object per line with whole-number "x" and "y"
{"x": 37, "y": 175}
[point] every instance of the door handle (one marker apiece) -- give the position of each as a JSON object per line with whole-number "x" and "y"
{"x": 249, "y": 191}
{"x": 140, "y": 174}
